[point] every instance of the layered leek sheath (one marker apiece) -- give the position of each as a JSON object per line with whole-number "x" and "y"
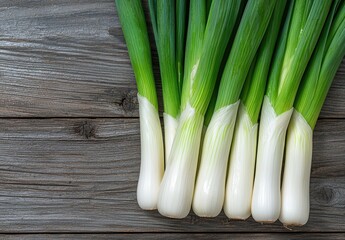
{"x": 311, "y": 95}
{"x": 212, "y": 104}
{"x": 213, "y": 101}
{"x": 296, "y": 44}
{"x": 196, "y": 28}
{"x": 176, "y": 191}
{"x": 194, "y": 47}
{"x": 210, "y": 185}
{"x": 163, "y": 22}
{"x": 240, "y": 179}
{"x": 133, "y": 24}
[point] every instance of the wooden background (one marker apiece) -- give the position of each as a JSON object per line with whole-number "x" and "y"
{"x": 69, "y": 136}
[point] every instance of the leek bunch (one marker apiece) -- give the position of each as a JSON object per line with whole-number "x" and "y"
{"x": 243, "y": 84}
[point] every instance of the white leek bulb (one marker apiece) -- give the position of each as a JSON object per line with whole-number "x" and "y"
{"x": 210, "y": 185}
{"x": 266, "y": 198}
{"x": 177, "y": 187}
{"x": 239, "y": 186}
{"x": 296, "y": 178}
{"x": 152, "y": 156}
{"x": 170, "y": 126}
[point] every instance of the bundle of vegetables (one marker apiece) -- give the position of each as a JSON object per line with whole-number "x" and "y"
{"x": 220, "y": 65}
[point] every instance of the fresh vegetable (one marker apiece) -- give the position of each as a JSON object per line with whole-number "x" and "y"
{"x": 296, "y": 44}
{"x": 163, "y": 23}
{"x": 212, "y": 104}
{"x": 240, "y": 179}
{"x": 210, "y": 185}
{"x": 316, "y": 82}
{"x": 176, "y": 191}
{"x": 243, "y": 81}
{"x": 133, "y": 24}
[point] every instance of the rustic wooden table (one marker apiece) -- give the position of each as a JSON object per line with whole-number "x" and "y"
{"x": 69, "y": 136}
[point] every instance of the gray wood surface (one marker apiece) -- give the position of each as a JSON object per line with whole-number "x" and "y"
{"x": 187, "y": 236}
{"x": 80, "y": 175}
{"x": 69, "y": 136}
{"x": 68, "y": 58}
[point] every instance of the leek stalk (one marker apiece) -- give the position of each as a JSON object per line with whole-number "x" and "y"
{"x": 163, "y": 23}
{"x": 210, "y": 185}
{"x": 240, "y": 179}
{"x": 297, "y": 41}
{"x": 316, "y": 82}
{"x": 133, "y": 24}
{"x": 176, "y": 191}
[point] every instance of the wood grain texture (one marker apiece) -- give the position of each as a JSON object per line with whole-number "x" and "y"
{"x": 182, "y": 236}
{"x": 80, "y": 175}
{"x": 75, "y": 169}
{"x": 68, "y": 58}
{"x": 63, "y": 58}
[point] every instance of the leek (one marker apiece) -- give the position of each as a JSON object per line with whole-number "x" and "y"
{"x": 177, "y": 187}
{"x": 163, "y": 23}
{"x": 133, "y": 24}
{"x": 194, "y": 46}
{"x": 240, "y": 179}
{"x": 316, "y": 82}
{"x": 296, "y": 44}
{"x": 210, "y": 185}
{"x": 212, "y": 104}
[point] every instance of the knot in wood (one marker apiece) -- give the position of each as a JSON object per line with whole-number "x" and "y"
{"x": 85, "y": 129}
{"x": 129, "y": 101}
{"x": 326, "y": 195}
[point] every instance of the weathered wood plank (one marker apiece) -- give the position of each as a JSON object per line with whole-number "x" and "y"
{"x": 63, "y": 58}
{"x": 80, "y": 175}
{"x": 182, "y": 236}
{"x": 68, "y": 59}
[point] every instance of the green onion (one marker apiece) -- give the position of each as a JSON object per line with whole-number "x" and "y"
{"x": 133, "y": 24}
{"x": 194, "y": 44}
{"x": 177, "y": 186}
{"x": 304, "y": 31}
{"x": 212, "y": 104}
{"x": 240, "y": 180}
{"x": 241, "y": 56}
{"x": 316, "y": 82}
{"x": 196, "y": 28}
{"x": 321, "y": 71}
{"x": 208, "y": 201}
{"x": 297, "y": 42}
{"x": 163, "y": 23}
